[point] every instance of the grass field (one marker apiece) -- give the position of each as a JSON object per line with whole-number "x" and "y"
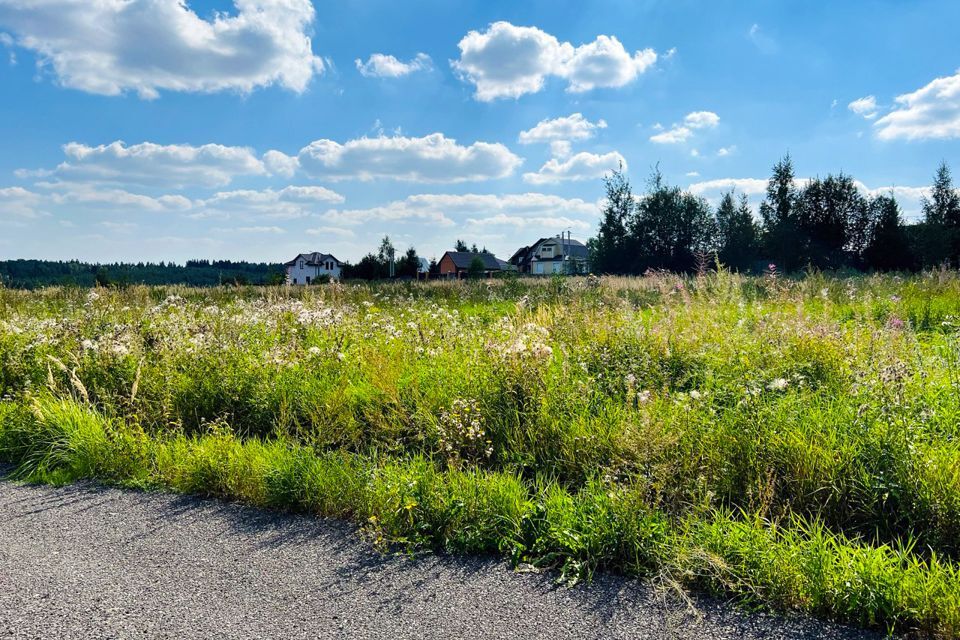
{"x": 792, "y": 443}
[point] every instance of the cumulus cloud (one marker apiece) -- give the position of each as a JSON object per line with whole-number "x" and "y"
{"x": 147, "y": 163}
{"x": 749, "y": 186}
{"x": 522, "y": 223}
{"x": 701, "y": 120}
{"x": 379, "y": 65}
{"x": 931, "y": 112}
{"x": 507, "y": 61}
{"x": 17, "y": 202}
{"x": 112, "y": 46}
{"x": 569, "y": 128}
{"x": 866, "y": 107}
{"x": 582, "y": 166}
{"x": 287, "y": 203}
{"x": 680, "y": 133}
{"x": 674, "y": 135}
{"x": 280, "y": 164}
{"x": 432, "y": 158}
{"x": 115, "y": 199}
{"x": 65, "y": 199}
{"x": 444, "y": 209}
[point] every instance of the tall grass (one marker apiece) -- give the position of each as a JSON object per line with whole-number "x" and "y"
{"x": 791, "y": 442}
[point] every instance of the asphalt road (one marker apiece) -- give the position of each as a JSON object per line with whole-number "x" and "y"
{"x": 89, "y": 562}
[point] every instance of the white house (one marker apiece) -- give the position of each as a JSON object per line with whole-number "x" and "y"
{"x": 309, "y": 267}
{"x": 552, "y": 255}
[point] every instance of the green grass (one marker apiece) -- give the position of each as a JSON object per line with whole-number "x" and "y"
{"x": 793, "y": 443}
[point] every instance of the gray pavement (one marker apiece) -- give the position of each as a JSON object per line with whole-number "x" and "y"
{"x": 90, "y": 562}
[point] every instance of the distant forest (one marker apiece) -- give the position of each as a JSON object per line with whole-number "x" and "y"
{"x": 30, "y": 274}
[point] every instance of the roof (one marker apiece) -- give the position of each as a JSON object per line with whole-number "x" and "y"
{"x": 313, "y": 259}
{"x": 573, "y": 248}
{"x": 463, "y": 259}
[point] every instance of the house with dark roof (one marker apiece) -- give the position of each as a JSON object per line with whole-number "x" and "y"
{"x": 456, "y": 264}
{"x": 310, "y": 267}
{"x": 552, "y": 255}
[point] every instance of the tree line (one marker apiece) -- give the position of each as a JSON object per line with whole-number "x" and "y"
{"x": 30, "y": 274}
{"x": 828, "y": 223}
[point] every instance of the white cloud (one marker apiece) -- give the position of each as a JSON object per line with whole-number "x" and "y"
{"x": 561, "y": 148}
{"x": 692, "y": 122}
{"x": 104, "y": 199}
{"x": 749, "y": 186}
{"x": 379, "y": 65}
{"x": 521, "y": 222}
{"x": 582, "y": 166}
{"x": 443, "y": 209}
{"x": 693, "y": 174}
{"x": 209, "y": 165}
{"x": 605, "y": 63}
{"x": 280, "y": 164}
{"x": 569, "y": 128}
{"x": 432, "y": 158}
{"x": 507, "y": 61}
{"x": 330, "y": 231}
{"x": 287, "y": 203}
{"x": 17, "y": 202}
{"x": 112, "y": 46}
{"x": 260, "y": 230}
{"x": 701, "y": 120}
{"x": 931, "y": 112}
{"x": 723, "y": 152}
{"x": 866, "y": 107}
{"x": 674, "y": 135}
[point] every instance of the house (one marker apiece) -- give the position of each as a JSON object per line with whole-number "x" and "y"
{"x": 309, "y": 267}
{"x": 552, "y": 255}
{"x": 456, "y": 264}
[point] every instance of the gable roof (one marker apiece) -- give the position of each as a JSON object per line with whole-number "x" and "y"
{"x": 463, "y": 259}
{"x": 572, "y": 248}
{"x": 313, "y": 259}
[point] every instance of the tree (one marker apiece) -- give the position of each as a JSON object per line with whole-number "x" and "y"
{"x": 778, "y": 213}
{"x": 669, "y": 228}
{"x": 476, "y": 269}
{"x": 941, "y": 215}
{"x": 829, "y": 214}
{"x": 460, "y": 246}
{"x": 888, "y": 247}
{"x": 943, "y": 205}
{"x": 608, "y": 251}
{"x": 386, "y": 254}
{"x": 738, "y": 236}
{"x": 409, "y": 264}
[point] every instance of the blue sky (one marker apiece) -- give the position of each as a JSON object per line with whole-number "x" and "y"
{"x": 257, "y": 129}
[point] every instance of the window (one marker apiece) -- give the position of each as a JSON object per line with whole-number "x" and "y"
{"x": 301, "y": 264}
{"x": 294, "y": 281}
{"x": 308, "y": 279}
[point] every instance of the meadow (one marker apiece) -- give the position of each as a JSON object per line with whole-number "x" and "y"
{"x": 792, "y": 443}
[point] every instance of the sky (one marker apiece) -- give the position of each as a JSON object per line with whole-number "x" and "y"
{"x": 148, "y": 130}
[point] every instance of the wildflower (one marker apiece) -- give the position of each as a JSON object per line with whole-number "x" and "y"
{"x": 896, "y": 323}
{"x": 779, "y": 384}
{"x": 695, "y": 395}
{"x": 314, "y": 351}
{"x": 88, "y": 345}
